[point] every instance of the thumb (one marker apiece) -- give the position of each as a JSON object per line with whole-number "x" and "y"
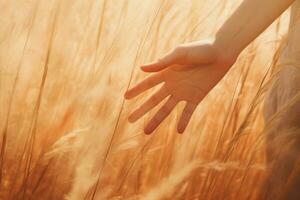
{"x": 162, "y": 63}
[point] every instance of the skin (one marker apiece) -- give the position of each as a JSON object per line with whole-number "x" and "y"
{"x": 190, "y": 71}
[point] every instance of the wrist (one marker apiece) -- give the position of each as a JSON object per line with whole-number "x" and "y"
{"x": 226, "y": 56}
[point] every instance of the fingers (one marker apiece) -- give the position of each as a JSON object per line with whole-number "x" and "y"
{"x": 163, "y": 112}
{"x": 162, "y": 63}
{"x": 155, "y": 99}
{"x": 186, "y": 116}
{"x": 144, "y": 85}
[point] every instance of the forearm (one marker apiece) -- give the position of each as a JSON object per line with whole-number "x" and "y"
{"x": 250, "y": 19}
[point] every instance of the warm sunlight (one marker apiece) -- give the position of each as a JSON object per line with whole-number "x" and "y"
{"x": 152, "y": 99}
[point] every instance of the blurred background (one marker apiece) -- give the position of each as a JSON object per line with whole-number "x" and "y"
{"x": 64, "y": 66}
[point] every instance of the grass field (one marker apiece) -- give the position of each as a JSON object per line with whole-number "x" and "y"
{"x": 64, "y": 66}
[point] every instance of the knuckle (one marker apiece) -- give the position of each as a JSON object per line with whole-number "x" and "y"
{"x": 164, "y": 110}
{"x": 180, "y": 53}
{"x": 189, "y": 110}
{"x": 156, "y": 120}
{"x": 149, "y": 83}
{"x": 154, "y": 99}
{"x": 178, "y": 50}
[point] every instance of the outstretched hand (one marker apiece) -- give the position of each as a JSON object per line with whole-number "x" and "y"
{"x": 188, "y": 73}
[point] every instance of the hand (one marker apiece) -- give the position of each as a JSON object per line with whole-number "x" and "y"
{"x": 188, "y": 73}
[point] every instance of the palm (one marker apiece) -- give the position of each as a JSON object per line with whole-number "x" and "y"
{"x": 190, "y": 85}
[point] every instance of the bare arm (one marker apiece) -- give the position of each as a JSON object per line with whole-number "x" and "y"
{"x": 247, "y": 22}
{"x": 190, "y": 71}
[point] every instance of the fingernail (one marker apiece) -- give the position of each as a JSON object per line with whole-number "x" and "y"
{"x": 131, "y": 119}
{"x": 180, "y": 131}
{"x": 147, "y": 132}
{"x": 143, "y": 67}
{"x": 127, "y": 95}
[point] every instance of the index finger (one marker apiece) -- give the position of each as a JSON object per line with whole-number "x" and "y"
{"x": 144, "y": 85}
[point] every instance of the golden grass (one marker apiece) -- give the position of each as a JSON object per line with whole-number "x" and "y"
{"x": 64, "y": 66}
